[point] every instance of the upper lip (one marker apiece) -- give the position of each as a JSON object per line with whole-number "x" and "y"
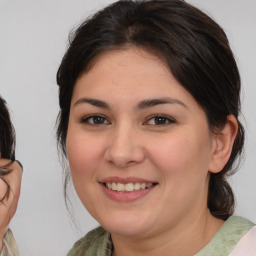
{"x": 125, "y": 180}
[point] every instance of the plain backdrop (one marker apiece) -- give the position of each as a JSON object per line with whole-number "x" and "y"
{"x": 33, "y": 39}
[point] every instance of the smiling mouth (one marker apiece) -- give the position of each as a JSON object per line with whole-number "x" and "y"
{"x": 129, "y": 187}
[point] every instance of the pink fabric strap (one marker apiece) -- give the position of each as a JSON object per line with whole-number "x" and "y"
{"x": 246, "y": 245}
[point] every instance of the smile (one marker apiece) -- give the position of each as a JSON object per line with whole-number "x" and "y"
{"x": 129, "y": 187}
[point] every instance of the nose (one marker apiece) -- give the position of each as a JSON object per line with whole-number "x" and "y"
{"x": 124, "y": 148}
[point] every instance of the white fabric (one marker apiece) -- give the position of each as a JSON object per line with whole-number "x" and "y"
{"x": 246, "y": 245}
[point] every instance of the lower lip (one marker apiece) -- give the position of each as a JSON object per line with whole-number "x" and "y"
{"x": 126, "y": 196}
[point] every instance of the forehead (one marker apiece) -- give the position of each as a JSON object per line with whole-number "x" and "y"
{"x": 138, "y": 57}
{"x": 128, "y": 69}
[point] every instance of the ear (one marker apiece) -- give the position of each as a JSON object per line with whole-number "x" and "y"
{"x": 223, "y": 144}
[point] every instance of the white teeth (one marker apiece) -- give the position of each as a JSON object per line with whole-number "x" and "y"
{"x": 137, "y": 186}
{"x": 129, "y": 187}
{"x": 114, "y": 186}
{"x": 143, "y": 185}
{"x": 120, "y": 187}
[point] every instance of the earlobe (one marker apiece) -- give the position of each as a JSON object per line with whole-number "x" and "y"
{"x": 224, "y": 140}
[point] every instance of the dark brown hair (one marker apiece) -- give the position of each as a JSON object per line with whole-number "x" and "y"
{"x": 7, "y": 142}
{"x": 7, "y": 133}
{"x": 194, "y": 47}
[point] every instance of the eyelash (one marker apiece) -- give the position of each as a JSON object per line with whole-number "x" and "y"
{"x": 163, "y": 120}
{"x": 94, "y": 118}
{"x": 160, "y": 118}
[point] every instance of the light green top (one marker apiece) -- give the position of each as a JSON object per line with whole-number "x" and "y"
{"x": 10, "y": 247}
{"x": 98, "y": 241}
{"x": 227, "y": 237}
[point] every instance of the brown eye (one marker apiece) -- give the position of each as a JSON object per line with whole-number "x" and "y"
{"x": 160, "y": 120}
{"x": 98, "y": 120}
{"x": 95, "y": 120}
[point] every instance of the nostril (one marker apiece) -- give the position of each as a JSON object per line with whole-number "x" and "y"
{"x": 122, "y": 164}
{"x": 130, "y": 163}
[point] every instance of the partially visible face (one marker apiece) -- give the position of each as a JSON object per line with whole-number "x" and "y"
{"x": 138, "y": 144}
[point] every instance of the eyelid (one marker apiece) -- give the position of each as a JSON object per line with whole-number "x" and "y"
{"x": 168, "y": 118}
{"x": 85, "y": 119}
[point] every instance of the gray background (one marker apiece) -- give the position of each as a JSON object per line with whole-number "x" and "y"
{"x": 33, "y": 39}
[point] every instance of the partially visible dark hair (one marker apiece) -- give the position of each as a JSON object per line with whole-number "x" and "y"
{"x": 7, "y": 142}
{"x": 194, "y": 47}
{"x": 7, "y": 133}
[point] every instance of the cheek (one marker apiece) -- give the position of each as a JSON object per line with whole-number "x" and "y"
{"x": 183, "y": 165}
{"x": 182, "y": 156}
{"x": 84, "y": 154}
{"x": 171, "y": 153}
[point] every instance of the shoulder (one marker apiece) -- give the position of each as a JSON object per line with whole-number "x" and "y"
{"x": 246, "y": 245}
{"x": 10, "y": 247}
{"x": 96, "y": 243}
{"x": 228, "y": 237}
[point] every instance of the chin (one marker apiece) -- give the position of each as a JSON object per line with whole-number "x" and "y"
{"x": 126, "y": 231}
{"x": 127, "y": 226}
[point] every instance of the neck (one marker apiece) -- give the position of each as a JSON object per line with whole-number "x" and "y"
{"x": 185, "y": 239}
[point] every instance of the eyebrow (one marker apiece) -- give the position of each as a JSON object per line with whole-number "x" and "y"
{"x": 154, "y": 102}
{"x": 94, "y": 102}
{"x": 141, "y": 105}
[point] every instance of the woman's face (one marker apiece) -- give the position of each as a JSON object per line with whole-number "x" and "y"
{"x": 138, "y": 144}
